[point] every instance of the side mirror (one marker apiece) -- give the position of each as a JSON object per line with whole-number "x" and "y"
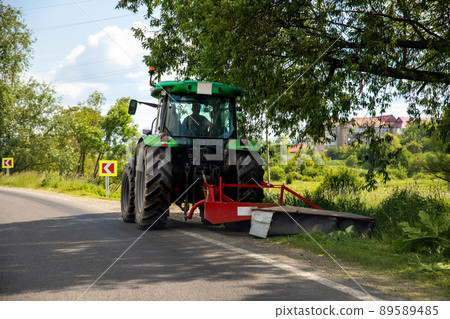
{"x": 132, "y": 107}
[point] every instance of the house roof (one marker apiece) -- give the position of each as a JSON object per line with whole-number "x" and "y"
{"x": 375, "y": 121}
{"x": 296, "y": 148}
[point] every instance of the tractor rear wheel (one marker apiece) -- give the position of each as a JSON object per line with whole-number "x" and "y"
{"x": 248, "y": 171}
{"x": 153, "y": 187}
{"x": 127, "y": 194}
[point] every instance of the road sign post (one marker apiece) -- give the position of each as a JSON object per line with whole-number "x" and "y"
{"x": 107, "y": 186}
{"x": 107, "y": 169}
{"x": 7, "y": 162}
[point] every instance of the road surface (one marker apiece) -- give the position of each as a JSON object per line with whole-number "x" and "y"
{"x": 57, "y": 247}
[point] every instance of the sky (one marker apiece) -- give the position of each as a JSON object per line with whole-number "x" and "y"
{"x": 79, "y": 56}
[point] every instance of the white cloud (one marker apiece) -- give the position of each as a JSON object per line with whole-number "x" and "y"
{"x": 109, "y": 61}
{"x": 75, "y": 91}
{"x": 77, "y": 51}
{"x": 135, "y": 75}
{"x": 118, "y": 45}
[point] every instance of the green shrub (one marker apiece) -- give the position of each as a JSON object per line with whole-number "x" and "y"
{"x": 293, "y": 176}
{"x": 344, "y": 180}
{"x": 277, "y": 173}
{"x": 398, "y": 173}
{"x": 404, "y": 205}
{"x": 429, "y": 236}
{"x": 289, "y": 179}
{"x": 332, "y": 152}
{"x": 310, "y": 171}
{"x": 343, "y": 202}
{"x": 352, "y": 161}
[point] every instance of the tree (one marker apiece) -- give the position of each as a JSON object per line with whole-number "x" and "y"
{"x": 15, "y": 45}
{"x": 311, "y": 61}
{"x": 437, "y": 162}
{"x": 26, "y": 107}
{"x": 118, "y": 128}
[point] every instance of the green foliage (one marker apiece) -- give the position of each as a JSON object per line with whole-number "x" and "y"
{"x": 332, "y": 152}
{"x": 427, "y": 236}
{"x": 70, "y": 183}
{"x": 388, "y": 51}
{"x": 404, "y": 205}
{"x": 289, "y": 179}
{"x": 352, "y": 161}
{"x": 277, "y": 173}
{"x": 343, "y": 181}
{"x": 349, "y": 234}
{"x": 330, "y": 200}
{"x": 15, "y": 44}
{"x": 415, "y": 137}
{"x": 414, "y": 147}
{"x": 380, "y": 153}
{"x": 398, "y": 173}
{"x": 310, "y": 171}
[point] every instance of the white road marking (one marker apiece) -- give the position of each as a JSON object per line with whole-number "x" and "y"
{"x": 298, "y": 272}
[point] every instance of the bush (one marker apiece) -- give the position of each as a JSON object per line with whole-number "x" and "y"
{"x": 277, "y": 173}
{"x": 332, "y": 152}
{"x": 398, "y": 173}
{"x": 289, "y": 179}
{"x": 427, "y": 236}
{"x": 310, "y": 171}
{"x": 404, "y": 205}
{"x": 352, "y": 161}
{"x": 342, "y": 202}
{"x": 344, "y": 180}
{"x": 293, "y": 176}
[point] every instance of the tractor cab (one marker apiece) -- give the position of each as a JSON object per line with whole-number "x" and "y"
{"x": 192, "y": 110}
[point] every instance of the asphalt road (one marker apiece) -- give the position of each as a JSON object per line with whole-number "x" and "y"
{"x": 56, "y": 247}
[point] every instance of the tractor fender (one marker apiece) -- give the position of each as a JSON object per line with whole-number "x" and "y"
{"x": 159, "y": 140}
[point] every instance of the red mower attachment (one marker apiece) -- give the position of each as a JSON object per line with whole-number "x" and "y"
{"x": 220, "y": 209}
{"x": 276, "y": 218}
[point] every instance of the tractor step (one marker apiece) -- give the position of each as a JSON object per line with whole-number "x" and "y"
{"x": 288, "y": 220}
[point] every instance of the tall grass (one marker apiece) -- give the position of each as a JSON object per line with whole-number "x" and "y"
{"x": 68, "y": 184}
{"x": 389, "y": 206}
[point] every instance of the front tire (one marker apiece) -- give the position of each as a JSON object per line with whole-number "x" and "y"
{"x": 153, "y": 187}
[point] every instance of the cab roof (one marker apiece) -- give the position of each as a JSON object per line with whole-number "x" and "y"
{"x": 197, "y": 87}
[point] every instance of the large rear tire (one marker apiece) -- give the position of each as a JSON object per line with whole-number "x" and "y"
{"x": 153, "y": 187}
{"x": 127, "y": 194}
{"x": 248, "y": 171}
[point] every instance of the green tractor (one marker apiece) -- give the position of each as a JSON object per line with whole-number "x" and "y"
{"x": 193, "y": 142}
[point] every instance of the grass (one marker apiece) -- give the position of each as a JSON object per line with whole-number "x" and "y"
{"x": 376, "y": 255}
{"x": 377, "y": 258}
{"x": 71, "y": 185}
{"x": 396, "y": 201}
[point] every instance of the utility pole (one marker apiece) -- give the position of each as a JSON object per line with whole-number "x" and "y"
{"x": 267, "y": 153}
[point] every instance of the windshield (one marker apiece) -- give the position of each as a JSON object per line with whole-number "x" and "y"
{"x": 200, "y": 116}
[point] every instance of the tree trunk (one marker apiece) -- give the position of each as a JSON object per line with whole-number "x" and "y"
{"x": 99, "y": 157}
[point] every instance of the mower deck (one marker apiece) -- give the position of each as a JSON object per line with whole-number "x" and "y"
{"x": 276, "y": 218}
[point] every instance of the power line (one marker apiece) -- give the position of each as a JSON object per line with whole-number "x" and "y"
{"x": 54, "y": 5}
{"x": 95, "y": 76}
{"x": 101, "y": 28}
{"x": 77, "y": 23}
{"x": 79, "y": 64}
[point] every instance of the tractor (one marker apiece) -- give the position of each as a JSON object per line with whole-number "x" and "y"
{"x": 192, "y": 155}
{"x": 193, "y": 142}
